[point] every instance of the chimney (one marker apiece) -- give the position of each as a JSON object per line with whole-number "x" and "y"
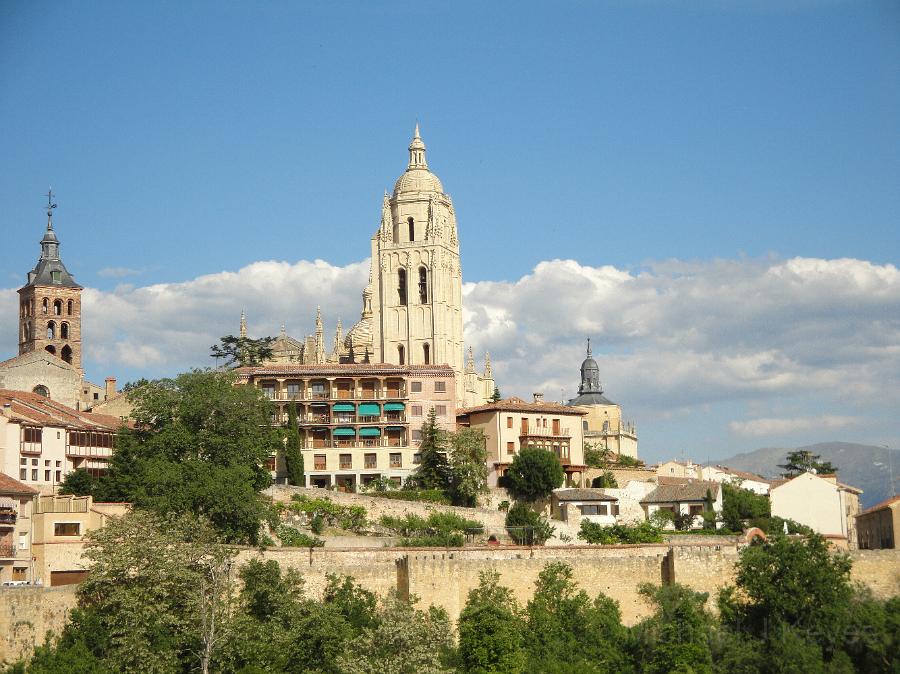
{"x": 538, "y": 397}
{"x": 110, "y": 388}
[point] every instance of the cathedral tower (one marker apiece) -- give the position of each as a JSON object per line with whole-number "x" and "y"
{"x": 416, "y": 285}
{"x": 50, "y": 303}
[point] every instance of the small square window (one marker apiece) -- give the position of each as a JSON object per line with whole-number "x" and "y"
{"x": 46, "y": 462}
{"x": 417, "y": 435}
{"x": 415, "y": 386}
{"x": 440, "y": 387}
{"x": 34, "y": 462}
{"x": 23, "y": 461}
{"x": 440, "y": 410}
{"x": 416, "y": 410}
{"x": 417, "y": 459}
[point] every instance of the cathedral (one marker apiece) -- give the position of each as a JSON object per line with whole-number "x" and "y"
{"x": 412, "y": 304}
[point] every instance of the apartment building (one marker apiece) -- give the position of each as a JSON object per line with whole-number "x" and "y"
{"x": 16, "y": 507}
{"x": 42, "y": 440}
{"x": 511, "y": 424}
{"x": 358, "y": 421}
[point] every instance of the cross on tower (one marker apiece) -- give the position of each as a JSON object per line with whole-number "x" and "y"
{"x": 50, "y": 207}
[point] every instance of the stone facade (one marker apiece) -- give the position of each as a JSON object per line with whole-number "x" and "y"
{"x": 879, "y": 526}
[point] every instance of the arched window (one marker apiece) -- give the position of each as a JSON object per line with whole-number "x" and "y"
{"x": 41, "y": 390}
{"x": 401, "y": 286}
{"x": 401, "y": 354}
{"x": 66, "y": 354}
{"x": 69, "y": 305}
{"x": 57, "y": 307}
{"x": 426, "y": 352}
{"x": 423, "y": 285}
{"x": 50, "y": 349}
{"x": 63, "y": 330}
{"x": 51, "y": 330}
{"x": 412, "y": 229}
{"x": 45, "y": 304}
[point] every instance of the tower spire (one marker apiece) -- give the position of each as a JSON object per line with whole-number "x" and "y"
{"x": 589, "y": 347}
{"x": 417, "y": 151}
{"x": 243, "y": 328}
{"x": 50, "y": 207}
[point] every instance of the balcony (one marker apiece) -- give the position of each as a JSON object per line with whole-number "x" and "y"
{"x": 336, "y": 394}
{"x": 541, "y": 432}
{"x": 30, "y": 447}
{"x": 7, "y": 551}
{"x": 8, "y": 517}
{"x": 89, "y": 452}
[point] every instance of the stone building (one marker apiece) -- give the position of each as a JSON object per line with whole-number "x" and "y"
{"x": 412, "y": 304}
{"x": 358, "y": 422}
{"x": 511, "y": 424}
{"x": 603, "y": 425}
{"x": 879, "y": 526}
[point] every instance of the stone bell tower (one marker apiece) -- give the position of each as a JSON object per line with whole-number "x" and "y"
{"x": 50, "y": 303}
{"x": 416, "y": 281}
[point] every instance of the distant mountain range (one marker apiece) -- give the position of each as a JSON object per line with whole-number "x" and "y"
{"x": 864, "y": 466}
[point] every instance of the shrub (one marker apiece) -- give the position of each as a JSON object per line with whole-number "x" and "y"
{"x": 645, "y": 532}
{"x": 534, "y": 474}
{"x": 291, "y": 538}
{"x": 606, "y": 480}
{"x": 441, "y": 529}
{"x": 352, "y": 518}
{"x": 526, "y": 527}
{"x": 503, "y": 506}
{"x": 420, "y": 495}
{"x": 318, "y": 524}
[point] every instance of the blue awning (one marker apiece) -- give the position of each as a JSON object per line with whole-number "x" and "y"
{"x": 369, "y": 410}
{"x": 344, "y": 432}
{"x": 394, "y": 407}
{"x": 369, "y": 432}
{"x": 344, "y": 407}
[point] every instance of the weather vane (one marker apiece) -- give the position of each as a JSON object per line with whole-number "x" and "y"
{"x": 50, "y": 205}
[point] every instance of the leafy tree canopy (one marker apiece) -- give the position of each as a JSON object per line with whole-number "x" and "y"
{"x": 491, "y": 629}
{"x": 198, "y": 445}
{"x": 79, "y": 483}
{"x": 242, "y": 351}
{"x": 534, "y": 474}
{"x": 468, "y": 466}
{"x": 804, "y": 461}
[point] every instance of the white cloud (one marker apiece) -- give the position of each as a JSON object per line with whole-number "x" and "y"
{"x": 773, "y": 426}
{"x": 118, "y": 272}
{"x": 674, "y": 335}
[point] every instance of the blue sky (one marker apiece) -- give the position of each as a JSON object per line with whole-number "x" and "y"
{"x": 188, "y": 139}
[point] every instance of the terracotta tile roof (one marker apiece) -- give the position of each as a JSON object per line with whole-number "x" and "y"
{"x": 518, "y": 405}
{"x": 30, "y": 408}
{"x": 9, "y": 485}
{"x": 681, "y": 493}
{"x": 888, "y": 502}
{"x": 577, "y": 494}
{"x": 345, "y": 369}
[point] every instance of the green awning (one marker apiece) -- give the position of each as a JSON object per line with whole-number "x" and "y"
{"x": 395, "y": 428}
{"x": 369, "y": 410}
{"x": 344, "y": 432}
{"x": 344, "y": 407}
{"x": 369, "y": 432}
{"x": 394, "y": 407}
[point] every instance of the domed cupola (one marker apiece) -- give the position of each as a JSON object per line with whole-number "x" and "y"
{"x": 417, "y": 177}
{"x": 590, "y": 374}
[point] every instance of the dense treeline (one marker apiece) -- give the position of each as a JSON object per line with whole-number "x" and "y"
{"x": 165, "y": 596}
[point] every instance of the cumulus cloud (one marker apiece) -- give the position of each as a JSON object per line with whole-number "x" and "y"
{"x": 773, "y": 426}
{"x": 672, "y": 335}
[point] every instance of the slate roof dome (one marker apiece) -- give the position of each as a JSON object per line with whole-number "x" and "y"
{"x": 417, "y": 177}
{"x": 590, "y": 392}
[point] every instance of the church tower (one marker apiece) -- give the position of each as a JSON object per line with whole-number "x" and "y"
{"x": 415, "y": 291}
{"x": 50, "y": 303}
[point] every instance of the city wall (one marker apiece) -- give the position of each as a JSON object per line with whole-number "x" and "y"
{"x": 444, "y": 577}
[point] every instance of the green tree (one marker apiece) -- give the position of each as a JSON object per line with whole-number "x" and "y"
{"x": 433, "y": 471}
{"x": 495, "y": 398}
{"x": 293, "y": 454}
{"x": 199, "y": 445}
{"x": 79, "y": 483}
{"x": 740, "y": 505}
{"x": 242, "y": 351}
{"x": 467, "y": 466}
{"x": 676, "y": 638}
{"x": 605, "y": 480}
{"x": 597, "y": 456}
{"x": 803, "y": 461}
{"x": 527, "y": 527}
{"x": 402, "y": 640}
{"x": 790, "y": 583}
{"x": 491, "y": 629}
{"x": 568, "y": 632}
{"x": 534, "y": 474}
{"x": 158, "y": 595}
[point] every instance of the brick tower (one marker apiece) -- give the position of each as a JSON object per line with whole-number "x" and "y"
{"x": 50, "y": 303}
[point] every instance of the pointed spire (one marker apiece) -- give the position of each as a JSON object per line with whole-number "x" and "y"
{"x": 283, "y": 332}
{"x": 470, "y": 361}
{"x": 51, "y": 206}
{"x": 243, "y": 329}
{"x": 417, "y": 151}
{"x": 488, "y": 371}
{"x": 589, "y": 347}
